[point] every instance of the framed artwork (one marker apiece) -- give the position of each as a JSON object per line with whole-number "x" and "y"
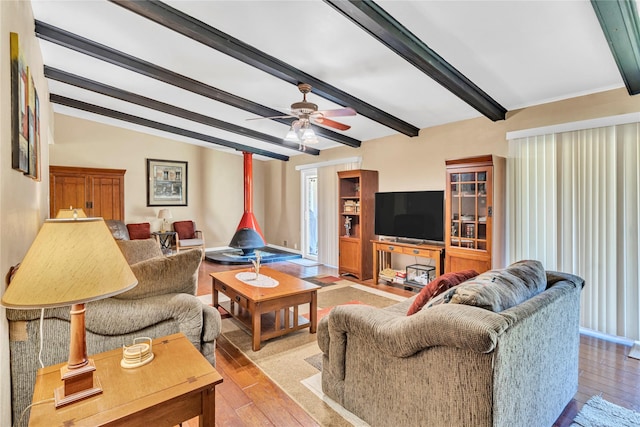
{"x": 33, "y": 109}
{"x": 19, "y": 108}
{"x": 166, "y": 183}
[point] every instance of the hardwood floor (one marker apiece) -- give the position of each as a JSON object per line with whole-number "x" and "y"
{"x": 248, "y": 398}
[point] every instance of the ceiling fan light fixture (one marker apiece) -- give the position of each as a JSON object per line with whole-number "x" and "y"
{"x": 309, "y": 136}
{"x": 292, "y": 136}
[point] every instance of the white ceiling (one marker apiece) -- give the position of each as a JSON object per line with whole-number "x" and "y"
{"x": 521, "y": 53}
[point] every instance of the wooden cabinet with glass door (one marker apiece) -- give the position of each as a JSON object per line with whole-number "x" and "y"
{"x": 475, "y": 213}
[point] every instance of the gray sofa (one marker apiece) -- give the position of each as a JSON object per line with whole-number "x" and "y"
{"x": 456, "y": 362}
{"x": 162, "y": 303}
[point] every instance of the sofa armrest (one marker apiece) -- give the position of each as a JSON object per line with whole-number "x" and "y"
{"x": 464, "y": 327}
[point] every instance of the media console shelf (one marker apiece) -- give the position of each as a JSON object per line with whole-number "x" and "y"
{"x": 382, "y": 251}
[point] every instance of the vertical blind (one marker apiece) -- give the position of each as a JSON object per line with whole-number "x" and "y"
{"x": 574, "y": 204}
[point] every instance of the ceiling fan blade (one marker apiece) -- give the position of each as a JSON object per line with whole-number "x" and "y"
{"x": 339, "y": 112}
{"x": 271, "y": 117}
{"x": 331, "y": 123}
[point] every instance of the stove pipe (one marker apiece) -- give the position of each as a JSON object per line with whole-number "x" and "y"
{"x": 248, "y": 235}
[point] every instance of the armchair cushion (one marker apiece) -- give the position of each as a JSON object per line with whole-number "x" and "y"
{"x": 439, "y": 285}
{"x": 164, "y": 275}
{"x": 185, "y": 229}
{"x": 139, "y": 231}
{"x": 139, "y": 250}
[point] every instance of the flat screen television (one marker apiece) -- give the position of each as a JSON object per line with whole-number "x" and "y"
{"x": 410, "y": 214}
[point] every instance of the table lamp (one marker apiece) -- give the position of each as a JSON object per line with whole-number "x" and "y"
{"x": 72, "y": 261}
{"x": 164, "y": 214}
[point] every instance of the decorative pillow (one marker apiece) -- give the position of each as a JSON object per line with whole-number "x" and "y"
{"x": 139, "y": 231}
{"x": 439, "y": 285}
{"x": 185, "y": 229}
{"x": 497, "y": 290}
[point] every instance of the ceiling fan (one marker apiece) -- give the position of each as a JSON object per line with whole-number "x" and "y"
{"x": 307, "y": 113}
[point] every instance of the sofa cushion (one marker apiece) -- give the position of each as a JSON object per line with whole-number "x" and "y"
{"x": 164, "y": 275}
{"x": 439, "y": 285}
{"x": 497, "y": 290}
{"x": 139, "y": 231}
{"x": 185, "y": 229}
{"x": 139, "y": 250}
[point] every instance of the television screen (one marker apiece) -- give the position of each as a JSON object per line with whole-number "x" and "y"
{"x": 410, "y": 214}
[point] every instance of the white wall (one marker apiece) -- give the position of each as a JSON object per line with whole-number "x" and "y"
{"x": 23, "y": 202}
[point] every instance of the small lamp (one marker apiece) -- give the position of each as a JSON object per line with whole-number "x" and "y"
{"x": 71, "y": 262}
{"x": 164, "y": 214}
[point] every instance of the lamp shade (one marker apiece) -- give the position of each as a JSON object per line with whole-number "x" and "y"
{"x": 164, "y": 214}
{"x": 71, "y": 261}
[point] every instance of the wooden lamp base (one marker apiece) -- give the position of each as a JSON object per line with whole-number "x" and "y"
{"x": 78, "y": 384}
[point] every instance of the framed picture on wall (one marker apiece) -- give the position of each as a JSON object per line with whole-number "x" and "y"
{"x": 166, "y": 183}
{"x": 19, "y": 107}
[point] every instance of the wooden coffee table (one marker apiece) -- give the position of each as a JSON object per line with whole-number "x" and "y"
{"x": 267, "y": 312}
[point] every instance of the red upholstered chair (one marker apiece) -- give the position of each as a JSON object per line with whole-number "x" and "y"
{"x": 187, "y": 237}
{"x": 139, "y": 231}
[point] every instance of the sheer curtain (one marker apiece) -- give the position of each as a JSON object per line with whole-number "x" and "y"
{"x": 328, "y": 207}
{"x": 573, "y": 204}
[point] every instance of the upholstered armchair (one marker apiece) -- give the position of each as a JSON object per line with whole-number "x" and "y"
{"x": 187, "y": 237}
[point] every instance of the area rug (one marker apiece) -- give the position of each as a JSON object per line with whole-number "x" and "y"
{"x": 322, "y": 280}
{"x": 284, "y": 359}
{"x": 597, "y": 412}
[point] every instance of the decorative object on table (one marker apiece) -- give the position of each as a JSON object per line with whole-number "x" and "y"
{"x": 138, "y": 354}
{"x": 420, "y": 274}
{"x": 259, "y": 281}
{"x": 164, "y": 215}
{"x": 256, "y": 263}
{"x": 166, "y": 183}
{"x": 60, "y": 269}
{"x": 347, "y": 226}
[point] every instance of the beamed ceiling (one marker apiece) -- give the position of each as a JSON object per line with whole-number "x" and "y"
{"x": 204, "y": 72}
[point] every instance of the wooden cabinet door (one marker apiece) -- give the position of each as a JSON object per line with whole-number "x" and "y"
{"x": 106, "y": 197}
{"x": 68, "y": 191}
{"x": 99, "y": 192}
{"x": 349, "y": 256}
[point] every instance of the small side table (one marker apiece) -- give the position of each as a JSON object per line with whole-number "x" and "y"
{"x": 179, "y": 384}
{"x": 166, "y": 239}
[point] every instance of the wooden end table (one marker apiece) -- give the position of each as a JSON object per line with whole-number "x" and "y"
{"x": 177, "y": 385}
{"x": 267, "y": 312}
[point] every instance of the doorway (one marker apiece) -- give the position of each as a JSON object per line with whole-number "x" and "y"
{"x": 310, "y": 214}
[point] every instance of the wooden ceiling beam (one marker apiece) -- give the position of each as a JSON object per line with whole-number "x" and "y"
{"x": 143, "y": 101}
{"x": 96, "y": 50}
{"x": 189, "y": 26}
{"x": 118, "y": 115}
{"x": 620, "y": 24}
{"x": 388, "y": 31}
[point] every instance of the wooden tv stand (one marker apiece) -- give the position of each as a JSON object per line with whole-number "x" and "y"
{"x": 382, "y": 251}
